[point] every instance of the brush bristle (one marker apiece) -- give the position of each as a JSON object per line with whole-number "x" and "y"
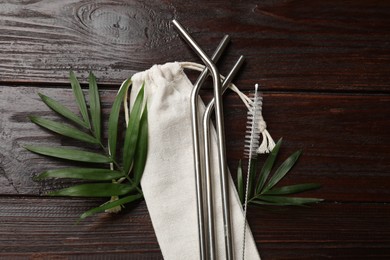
{"x": 252, "y": 130}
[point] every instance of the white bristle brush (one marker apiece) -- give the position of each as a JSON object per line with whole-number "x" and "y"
{"x": 252, "y": 128}
{"x": 251, "y": 145}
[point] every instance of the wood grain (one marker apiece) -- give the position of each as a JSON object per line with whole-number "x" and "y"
{"x": 45, "y": 228}
{"x": 290, "y": 45}
{"x": 344, "y": 138}
{"x": 324, "y": 70}
{"x": 336, "y": 231}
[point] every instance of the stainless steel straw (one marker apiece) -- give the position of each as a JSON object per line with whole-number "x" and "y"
{"x": 196, "y": 143}
{"x": 206, "y": 134}
{"x": 206, "y": 117}
{"x": 221, "y": 142}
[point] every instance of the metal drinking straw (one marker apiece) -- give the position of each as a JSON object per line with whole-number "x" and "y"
{"x": 196, "y": 143}
{"x": 221, "y": 147}
{"x": 206, "y": 134}
{"x": 207, "y": 142}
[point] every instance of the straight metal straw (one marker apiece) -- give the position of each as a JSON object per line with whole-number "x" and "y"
{"x": 220, "y": 134}
{"x": 196, "y": 143}
{"x": 206, "y": 131}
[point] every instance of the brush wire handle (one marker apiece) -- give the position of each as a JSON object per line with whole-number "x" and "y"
{"x": 251, "y": 145}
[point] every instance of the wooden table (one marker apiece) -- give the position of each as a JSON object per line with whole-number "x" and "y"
{"x": 324, "y": 68}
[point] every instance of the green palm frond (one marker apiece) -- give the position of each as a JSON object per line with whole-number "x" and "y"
{"x": 112, "y": 180}
{"x": 132, "y": 131}
{"x": 80, "y": 100}
{"x": 114, "y": 117}
{"x": 94, "y": 104}
{"x": 265, "y": 190}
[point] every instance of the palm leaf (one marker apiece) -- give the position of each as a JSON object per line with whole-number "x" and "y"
{"x": 267, "y": 167}
{"x": 132, "y": 131}
{"x": 63, "y": 129}
{"x": 240, "y": 183}
{"x": 264, "y": 203}
{"x": 62, "y": 110}
{"x": 114, "y": 116}
{"x": 293, "y": 189}
{"x": 136, "y": 138}
{"x": 110, "y": 205}
{"x": 282, "y": 170}
{"x": 69, "y": 154}
{"x": 95, "y": 174}
{"x": 94, "y": 103}
{"x": 252, "y": 176}
{"x": 78, "y": 93}
{"x": 267, "y": 194}
{"x": 141, "y": 148}
{"x": 287, "y": 200}
{"x": 95, "y": 190}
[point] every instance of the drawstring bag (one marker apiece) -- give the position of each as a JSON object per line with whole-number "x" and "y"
{"x": 168, "y": 181}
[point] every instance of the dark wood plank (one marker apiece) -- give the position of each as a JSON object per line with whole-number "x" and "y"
{"x": 289, "y": 45}
{"x": 337, "y": 231}
{"x": 345, "y": 140}
{"x": 45, "y": 227}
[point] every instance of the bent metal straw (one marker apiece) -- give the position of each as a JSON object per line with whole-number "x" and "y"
{"x": 221, "y": 151}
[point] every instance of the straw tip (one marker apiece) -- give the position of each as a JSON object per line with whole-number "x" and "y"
{"x": 175, "y": 22}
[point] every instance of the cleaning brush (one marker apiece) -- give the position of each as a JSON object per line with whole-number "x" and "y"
{"x": 251, "y": 145}
{"x": 252, "y": 129}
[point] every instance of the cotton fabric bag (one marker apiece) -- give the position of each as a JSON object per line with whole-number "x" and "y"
{"x": 168, "y": 181}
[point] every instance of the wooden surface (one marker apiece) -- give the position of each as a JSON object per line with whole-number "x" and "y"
{"x": 325, "y": 71}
